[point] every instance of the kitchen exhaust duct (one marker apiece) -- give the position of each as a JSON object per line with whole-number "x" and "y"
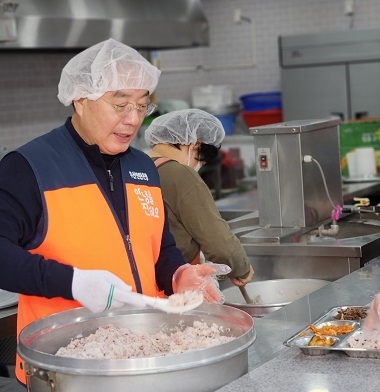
{"x": 73, "y": 24}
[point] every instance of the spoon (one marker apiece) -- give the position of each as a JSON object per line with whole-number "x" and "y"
{"x": 176, "y": 303}
{"x": 245, "y": 294}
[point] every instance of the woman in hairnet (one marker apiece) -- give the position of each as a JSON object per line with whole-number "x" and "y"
{"x": 82, "y": 217}
{"x": 182, "y": 141}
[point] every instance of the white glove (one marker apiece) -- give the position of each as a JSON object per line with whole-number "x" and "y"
{"x": 372, "y": 320}
{"x": 99, "y": 290}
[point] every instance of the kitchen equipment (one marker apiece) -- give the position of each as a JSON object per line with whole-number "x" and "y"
{"x": 288, "y": 235}
{"x": 167, "y": 305}
{"x": 7, "y": 299}
{"x": 354, "y": 208}
{"x": 291, "y": 191}
{"x": 271, "y": 294}
{"x": 245, "y": 295}
{"x": 330, "y": 74}
{"x": 200, "y": 370}
{"x": 152, "y": 25}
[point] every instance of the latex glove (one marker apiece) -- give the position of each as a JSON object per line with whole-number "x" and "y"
{"x": 240, "y": 282}
{"x": 372, "y": 320}
{"x": 201, "y": 278}
{"x": 99, "y": 290}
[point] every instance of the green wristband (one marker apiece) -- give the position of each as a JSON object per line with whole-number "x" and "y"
{"x": 110, "y": 297}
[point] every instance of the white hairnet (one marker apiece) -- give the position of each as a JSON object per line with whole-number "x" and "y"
{"x": 106, "y": 66}
{"x": 185, "y": 127}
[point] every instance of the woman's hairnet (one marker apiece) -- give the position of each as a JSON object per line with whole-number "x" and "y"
{"x": 106, "y": 66}
{"x": 185, "y": 127}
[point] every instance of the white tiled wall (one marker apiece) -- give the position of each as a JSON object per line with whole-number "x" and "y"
{"x": 231, "y": 43}
{"x": 28, "y": 95}
{"x": 28, "y": 80}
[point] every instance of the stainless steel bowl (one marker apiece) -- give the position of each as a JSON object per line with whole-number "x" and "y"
{"x": 200, "y": 370}
{"x": 272, "y": 294}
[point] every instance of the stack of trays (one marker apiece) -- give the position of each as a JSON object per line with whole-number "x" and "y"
{"x": 339, "y": 342}
{"x": 262, "y": 108}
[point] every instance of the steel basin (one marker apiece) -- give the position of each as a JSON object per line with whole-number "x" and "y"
{"x": 229, "y": 215}
{"x": 200, "y": 370}
{"x": 274, "y": 294}
{"x": 359, "y": 227}
{"x": 241, "y": 222}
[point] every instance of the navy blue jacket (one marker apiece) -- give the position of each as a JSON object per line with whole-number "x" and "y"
{"x": 20, "y": 213}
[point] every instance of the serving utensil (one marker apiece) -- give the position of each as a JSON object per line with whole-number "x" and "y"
{"x": 245, "y": 294}
{"x": 176, "y": 303}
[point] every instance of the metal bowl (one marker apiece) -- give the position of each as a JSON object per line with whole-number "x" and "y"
{"x": 208, "y": 369}
{"x": 273, "y": 294}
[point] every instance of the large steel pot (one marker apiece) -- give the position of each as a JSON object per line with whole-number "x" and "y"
{"x": 273, "y": 294}
{"x": 200, "y": 370}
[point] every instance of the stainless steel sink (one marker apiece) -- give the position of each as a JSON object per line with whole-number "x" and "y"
{"x": 243, "y": 222}
{"x": 233, "y": 214}
{"x": 279, "y": 253}
{"x": 353, "y": 226}
{"x": 359, "y": 227}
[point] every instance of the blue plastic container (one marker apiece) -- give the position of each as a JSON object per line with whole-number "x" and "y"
{"x": 228, "y": 122}
{"x": 262, "y": 101}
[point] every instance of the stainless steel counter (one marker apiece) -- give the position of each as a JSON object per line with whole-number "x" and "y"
{"x": 247, "y": 201}
{"x": 280, "y": 253}
{"x": 274, "y": 367}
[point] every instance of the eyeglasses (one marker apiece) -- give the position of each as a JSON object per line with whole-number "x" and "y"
{"x": 125, "y": 109}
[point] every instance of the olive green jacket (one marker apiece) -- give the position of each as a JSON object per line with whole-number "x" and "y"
{"x": 195, "y": 221}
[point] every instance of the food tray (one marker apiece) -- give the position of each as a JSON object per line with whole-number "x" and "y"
{"x": 301, "y": 338}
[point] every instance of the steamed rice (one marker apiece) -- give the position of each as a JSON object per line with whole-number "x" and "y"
{"x": 111, "y": 342}
{"x": 365, "y": 340}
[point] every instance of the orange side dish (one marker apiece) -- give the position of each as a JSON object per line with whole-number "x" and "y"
{"x": 332, "y": 330}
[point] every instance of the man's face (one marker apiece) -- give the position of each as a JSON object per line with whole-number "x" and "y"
{"x": 106, "y": 123}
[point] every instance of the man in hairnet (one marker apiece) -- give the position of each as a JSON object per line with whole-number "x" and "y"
{"x": 182, "y": 141}
{"x": 82, "y": 219}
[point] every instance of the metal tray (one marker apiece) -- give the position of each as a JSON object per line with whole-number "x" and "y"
{"x": 301, "y": 338}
